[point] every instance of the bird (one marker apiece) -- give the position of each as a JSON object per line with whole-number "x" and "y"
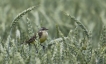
{"x": 42, "y": 34}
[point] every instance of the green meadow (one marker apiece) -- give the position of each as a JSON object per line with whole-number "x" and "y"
{"x": 76, "y": 35}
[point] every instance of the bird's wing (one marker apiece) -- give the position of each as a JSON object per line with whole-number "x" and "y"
{"x": 32, "y": 39}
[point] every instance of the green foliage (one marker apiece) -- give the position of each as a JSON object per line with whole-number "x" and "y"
{"x": 77, "y": 32}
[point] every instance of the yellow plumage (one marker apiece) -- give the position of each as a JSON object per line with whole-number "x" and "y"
{"x": 44, "y": 36}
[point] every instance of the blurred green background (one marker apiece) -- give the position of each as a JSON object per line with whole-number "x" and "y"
{"x": 51, "y": 13}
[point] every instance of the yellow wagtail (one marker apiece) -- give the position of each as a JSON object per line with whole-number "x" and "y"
{"x": 42, "y": 33}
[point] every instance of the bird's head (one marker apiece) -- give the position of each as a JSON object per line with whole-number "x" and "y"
{"x": 43, "y": 28}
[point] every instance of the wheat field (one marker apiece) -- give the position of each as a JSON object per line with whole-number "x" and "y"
{"x": 77, "y": 32}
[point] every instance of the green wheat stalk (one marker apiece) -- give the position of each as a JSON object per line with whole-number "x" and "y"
{"x": 20, "y": 15}
{"x": 30, "y": 30}
{"x": 80, "y": 24}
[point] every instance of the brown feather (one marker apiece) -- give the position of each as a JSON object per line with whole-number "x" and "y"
{"x": 32, "y": 39}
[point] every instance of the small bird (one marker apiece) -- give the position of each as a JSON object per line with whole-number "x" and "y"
{"x": 42, "y": 33}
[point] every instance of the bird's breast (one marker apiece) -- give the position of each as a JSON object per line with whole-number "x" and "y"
{"x": 43, "y": 36}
